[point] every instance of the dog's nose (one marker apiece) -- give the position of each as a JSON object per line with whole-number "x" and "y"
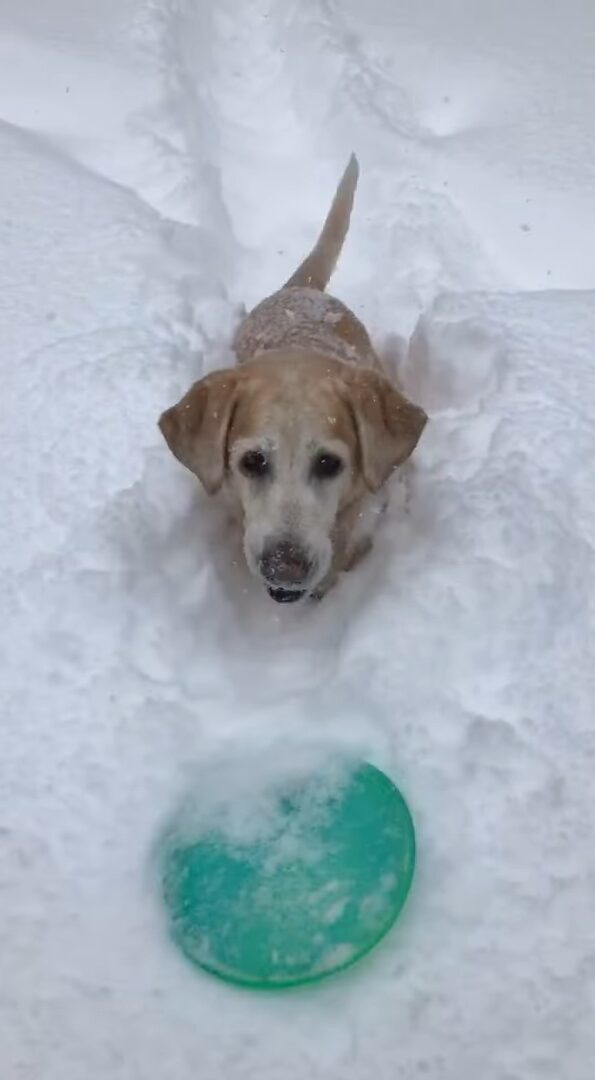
{"x": 285, "y": 563}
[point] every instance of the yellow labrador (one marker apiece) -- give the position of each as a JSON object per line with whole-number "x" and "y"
{"x": 304, "y": 430}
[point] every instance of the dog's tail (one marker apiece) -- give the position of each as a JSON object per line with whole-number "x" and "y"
{"x": 318, "y": 266}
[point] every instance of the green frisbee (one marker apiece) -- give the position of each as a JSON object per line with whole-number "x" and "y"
{"x": 293, "y": 878}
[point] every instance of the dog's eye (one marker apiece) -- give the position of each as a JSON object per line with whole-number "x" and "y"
{"x": 326, "y": 466}
{"x": 254, "y": 463}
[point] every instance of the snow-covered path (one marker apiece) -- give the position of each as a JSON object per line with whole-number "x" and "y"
{"x": 163, "y": 162}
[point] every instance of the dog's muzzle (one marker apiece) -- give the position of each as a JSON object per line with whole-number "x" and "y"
{"x": 285, "y": 568}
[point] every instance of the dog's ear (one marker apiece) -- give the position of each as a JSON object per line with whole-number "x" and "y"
{"x": 196, "y": 429}
{"x": 388, "y": 426}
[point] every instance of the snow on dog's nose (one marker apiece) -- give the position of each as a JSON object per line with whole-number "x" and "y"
{"x": 285, "y": 566}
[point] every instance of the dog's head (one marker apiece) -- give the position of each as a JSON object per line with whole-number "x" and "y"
{"x": 296, "y": 444}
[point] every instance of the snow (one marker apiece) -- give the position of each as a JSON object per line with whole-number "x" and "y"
{"x": 163, "y": 163}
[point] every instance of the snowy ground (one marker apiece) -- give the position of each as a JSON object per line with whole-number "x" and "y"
{"x": 162, "y": 162}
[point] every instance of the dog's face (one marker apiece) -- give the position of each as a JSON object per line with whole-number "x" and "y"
{"x": 295, "y": 444}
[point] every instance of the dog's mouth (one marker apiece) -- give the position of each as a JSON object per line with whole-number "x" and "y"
{"x": 286, "y": 596}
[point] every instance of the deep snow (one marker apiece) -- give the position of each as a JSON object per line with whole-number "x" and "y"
{"x": 163, "y": 162}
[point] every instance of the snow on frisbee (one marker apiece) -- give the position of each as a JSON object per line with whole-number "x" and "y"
{"x": 275, "y": 876}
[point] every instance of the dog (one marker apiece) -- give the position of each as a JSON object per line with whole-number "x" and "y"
{"x": 305, "y": 431}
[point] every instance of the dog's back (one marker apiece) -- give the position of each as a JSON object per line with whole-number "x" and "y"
{"x": 301, "y": 316}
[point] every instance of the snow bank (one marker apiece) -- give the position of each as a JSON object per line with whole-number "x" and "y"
{"x": 163, "y": 163}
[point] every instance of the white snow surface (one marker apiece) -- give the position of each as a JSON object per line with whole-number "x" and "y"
{"x": 163, "y": 162}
